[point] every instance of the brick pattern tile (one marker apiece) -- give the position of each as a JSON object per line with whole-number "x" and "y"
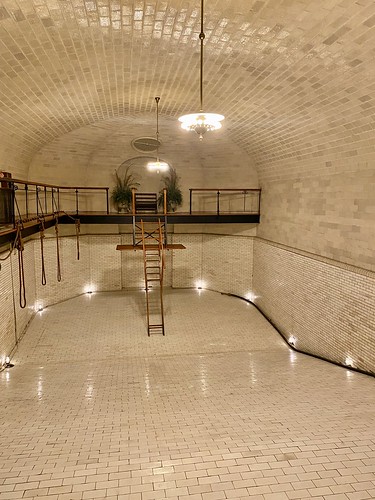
{"x": 327, "y": 308}
{"x": 216, "y": 409}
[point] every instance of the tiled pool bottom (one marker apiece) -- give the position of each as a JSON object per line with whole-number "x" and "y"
{"x": 218, "y": 408}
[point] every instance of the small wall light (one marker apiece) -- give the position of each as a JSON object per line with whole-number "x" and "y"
{"x": 199, "y": 285}
{"x": 7, "y": 363}
{"x": 250, "y": 296}
{"x": 349, "y": 361}
{"x": 292, "y": 340}
{"x": 89, "y": 289}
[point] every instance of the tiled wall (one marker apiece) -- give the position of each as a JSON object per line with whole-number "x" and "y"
{"x": 329, "y": 213}
{"x": 13, "y": 318}
{"x": 328, "y": 307}
{"x": 104, "y": 146}
{"x": 220, "y": 262}
{"x": 101, "y": 267}
{"x": 7, "y": 323}
{"x": 77, "y": 277}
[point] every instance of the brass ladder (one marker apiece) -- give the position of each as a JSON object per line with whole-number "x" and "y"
{"x": 153, "y": 261}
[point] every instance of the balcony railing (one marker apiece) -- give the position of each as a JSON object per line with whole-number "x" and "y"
{"x": 224, "y": 201}
{"x": 27, "y": 203}
{"x": 23, "y": 201}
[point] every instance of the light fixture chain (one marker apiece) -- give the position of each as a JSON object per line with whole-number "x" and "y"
{"x": 201, "y": 122}
{"x": 157, "y": 99}
{"x": 201, "y": 37}
{"x": 157, "y": 166}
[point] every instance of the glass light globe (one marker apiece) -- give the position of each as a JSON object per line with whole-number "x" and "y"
{"x": 201, "y": 122}
{"x": 157, "y": 166}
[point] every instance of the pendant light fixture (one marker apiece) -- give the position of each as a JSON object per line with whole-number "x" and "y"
{"x": 201, "y": 122}
{"x": 157, "y": 166}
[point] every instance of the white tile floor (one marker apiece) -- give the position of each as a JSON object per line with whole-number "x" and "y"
{"x": 219, "y": 408}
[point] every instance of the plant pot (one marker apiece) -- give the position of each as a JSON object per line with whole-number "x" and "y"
{"x": 123, "y": 208}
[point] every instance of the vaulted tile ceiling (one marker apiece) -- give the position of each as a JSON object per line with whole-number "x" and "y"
{"x": 294, "y": 78}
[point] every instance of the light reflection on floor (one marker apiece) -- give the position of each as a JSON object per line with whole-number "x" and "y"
{"x": 218, "y": 408}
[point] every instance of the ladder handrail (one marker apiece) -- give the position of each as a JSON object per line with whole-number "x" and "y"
{"x": 145, "y": 271}
{"x": 161, "y": 252}
{"x": 158, "y": 252}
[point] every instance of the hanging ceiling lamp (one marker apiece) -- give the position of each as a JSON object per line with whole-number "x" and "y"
{"x": 201, "y": 122}
{"x": 157, "y": 166}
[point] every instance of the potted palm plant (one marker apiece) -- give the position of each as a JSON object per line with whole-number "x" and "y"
{"x": 121, "y": 194}
{"x": 174, "y": 196}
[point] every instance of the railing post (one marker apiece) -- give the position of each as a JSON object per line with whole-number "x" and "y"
{"x": 191, "y": 200}
{"x": 77, "y": 201}
{"x": 165, "y": 231}
{"x": 37, "y": 199}
{"x": 218, "y": 203}
{"x": 165, "y": 200}
{"x": 45, "y": 200}
{"x": 244, "y": 200}
{"x": 133, "y": 221}
{"x": 27, "y": 200}
{"x": 259, "y": 201}
{"x": 133, "y": 201}
{"x": 107, "y": 199}
{"x": 58, "y": 199}
{"x": 13, "y": 203}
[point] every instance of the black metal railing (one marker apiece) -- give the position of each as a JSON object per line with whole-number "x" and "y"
{"x": 224, "y": 200}
{"x": 24, "y": 200}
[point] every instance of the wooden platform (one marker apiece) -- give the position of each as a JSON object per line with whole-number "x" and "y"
{"x": 176, "y": 246}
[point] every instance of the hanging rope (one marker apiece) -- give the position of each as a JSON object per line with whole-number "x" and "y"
{"x": 58, "y": 250}
{"x": 21, "y": 272}
{"x": 13, "y": 245}
{"x": 78, "y": 228}
{"x": 18, "y": 244}
{"x": 55, "y": 208}
{"x": 42, "y": 236}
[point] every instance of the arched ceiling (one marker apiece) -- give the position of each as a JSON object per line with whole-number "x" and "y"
{"x": 294, "y": 78}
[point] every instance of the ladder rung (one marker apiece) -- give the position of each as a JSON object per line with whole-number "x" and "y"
{"x": 152, "y": 240}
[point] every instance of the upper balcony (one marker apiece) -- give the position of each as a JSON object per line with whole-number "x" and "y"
{"x": 26, "y": 206}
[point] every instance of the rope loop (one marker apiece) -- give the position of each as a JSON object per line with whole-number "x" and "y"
{"x": 21, "y": 272}
{"x": 78, "y": 229}
{"x": 58, "y": 250}
{"x": 42, "y": 236}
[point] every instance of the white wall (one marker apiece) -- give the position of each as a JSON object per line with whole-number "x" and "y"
{"x": 90, "y": 155}
{"x": 328, "y": 307}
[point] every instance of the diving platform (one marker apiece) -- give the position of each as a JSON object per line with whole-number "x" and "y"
{"x": 175, "y": 246}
